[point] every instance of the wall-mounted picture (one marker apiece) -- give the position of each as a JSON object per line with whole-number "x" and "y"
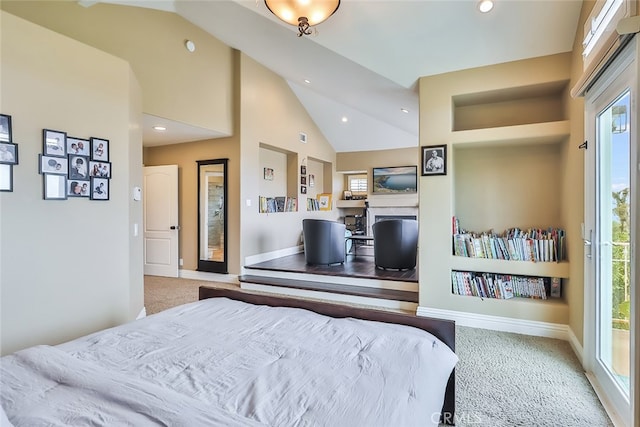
{"x": 324, "y": 202}
{"x": 312, "y": 180}
{"x": 303, "y": 170}
{"x": 395, "y": 180}
{"x": 53, "y": 165}
{"x": 5, "y": 128}
{"x": 6, "y": 178}
{"x": 8, "y": 153}
{"x": 78, "y": 167}
{"x": 78, "y": 146}
{"x": 55, "y": 187}
{"x": 54, "y": 143}
{"x": 99, "y": 189}
{"x": 303, "y": 189}
{"x": 99, "y": 169}
{"x": 268, "y": 174}
{"x": 303, "y": 180}
{"x": 78, "y": 188}
{"x": 100, "y": 149}
{"x": 434, "y": 160}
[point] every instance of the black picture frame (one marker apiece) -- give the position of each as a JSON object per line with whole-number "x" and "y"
{"x": 395, "y": 180}
{"x": 78, "y": 188}
{"x": 99, "y": 189}
{"x": 303, "y": 180}
{"x": 55, "y": 187}
{"x": 78, "y": 146}
{"x": 303, "y": 170}
{"x": 6, "y": 178}
{"x": 99, "y": 149}
{"x": 8, "y": 153}
{"x": 303, "y": 189}
{"x": 54, "y": 143}
{"x": 434, "y": 160}
{"x": 99, "y": 169}
{"x": 53, "y": 165}
{"x": 5, "y": 128}
{"x": 78, "y": 167}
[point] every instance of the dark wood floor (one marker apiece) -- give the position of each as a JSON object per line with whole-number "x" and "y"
{"x": 360, "y": 266}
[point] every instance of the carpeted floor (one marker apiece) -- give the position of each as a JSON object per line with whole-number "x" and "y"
{"x": 502, "y": 379}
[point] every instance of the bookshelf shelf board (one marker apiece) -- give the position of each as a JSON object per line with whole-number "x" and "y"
{"x": 537, "y": 133}
{"x": 521, "y": 268}
{"x": 350, "y": 203}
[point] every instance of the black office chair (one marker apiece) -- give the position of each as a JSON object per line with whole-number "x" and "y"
{"x": 395, "y": 244}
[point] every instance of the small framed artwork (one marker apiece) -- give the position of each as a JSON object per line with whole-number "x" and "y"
{"x": 312, "y": 180}
{"x": 100, "y": 169}
{"x": 268, "y": 174}
{"x": 78, "y": 188}
{"x": 100, "y": 149}
{"x": 55, "y": 187}
{"x": 303, "y": 189}
{"x": 8, "y": 153}
{"x": 434, "y": 160}
{"x": 6, "y": 178}
{"x": 78, "y": 146}
{"x": 54, "y": 143}
{"x": 5, "y": 128}
{"x": 324, "y": 201}
{"x": 53, "y": 165}
{"x": 303, "y": 180}
{"x": 99, "y": 189}
{"x": 303, "y": 170}
{"x": 347, "y": 195}
{"x": 78, "y": 167}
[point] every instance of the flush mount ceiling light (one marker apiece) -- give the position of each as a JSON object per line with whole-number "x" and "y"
{"x": 303, "y": 13}
{"x": 485, "y": 6}
{"x": 159, "y": 128}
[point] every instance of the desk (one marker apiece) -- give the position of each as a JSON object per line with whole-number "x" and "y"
{"x": 355, "y": 240}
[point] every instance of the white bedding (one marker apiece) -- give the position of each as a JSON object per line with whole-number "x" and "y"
{"x": 228, "y": 363}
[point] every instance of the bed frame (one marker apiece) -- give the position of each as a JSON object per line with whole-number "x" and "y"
{"x": 442, "y": 329}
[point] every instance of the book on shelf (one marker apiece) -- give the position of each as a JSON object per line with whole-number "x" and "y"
{"x": 504, "y": 286}
{"x": 277, "y": 204}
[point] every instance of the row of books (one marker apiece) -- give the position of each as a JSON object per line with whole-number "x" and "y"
{"x": 277, "y": 204}
{"x": 504, "y": 286}
{"x": 514, "y": 244}
{"x": 313, "y": 204}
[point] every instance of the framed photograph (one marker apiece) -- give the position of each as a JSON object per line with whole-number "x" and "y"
{"x": 324, "y": 201}
{"x": 268, "y": 174}
{"x": 100, "y": 149}
{"x": 303, "y": 189}
{"x": 78, "y": 188}
{"x": 99, "y": 189}
{"x": 434, "y": 160}
{"x": 6, "y": 178}
{"x": 78, "y": 167}
{"x": 347, "y": 195}
{"x": 312, "y": 180}
{"x": 5, "y": 128}
{"x": 8, "y": 153}
{"x": 303, "y": 180}
{"x": 55, "y": 187}
{"x": 100, "y": 169}
{"x": 53, "y": 165}
{"x": 78, "y": 146}
{"x": 395, "y": 180}
{"x": 54, "y": 143}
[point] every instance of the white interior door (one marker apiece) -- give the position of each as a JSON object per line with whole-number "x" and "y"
{"x": 161, "y": 228}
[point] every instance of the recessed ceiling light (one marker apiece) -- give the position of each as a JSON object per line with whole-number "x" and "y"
{"x": 485, "y": 6}
{"x": 307, "y": 81}
{"x": 404, "y": 110}
{"x": 190, "y": 45}
{"x": 159, "y": 128}
{"x": 345, "y": 119}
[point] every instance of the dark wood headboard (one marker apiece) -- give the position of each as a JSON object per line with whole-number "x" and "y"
{"x": 444, "y": 330}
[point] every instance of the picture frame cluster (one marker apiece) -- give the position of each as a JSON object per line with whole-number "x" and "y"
{"x": 74, "y": 167}
{"x": 8, "y": 154}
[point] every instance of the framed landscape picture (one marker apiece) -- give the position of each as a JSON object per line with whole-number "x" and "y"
{"x": 395, "y": 180}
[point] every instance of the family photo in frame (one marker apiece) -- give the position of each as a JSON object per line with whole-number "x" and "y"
{"x": 99, "y": 189}
{"x": 434, "y": 160}
{"x": 8, "y": 153}
{"x": 54, "y": 143}
{"x": 100, "y": 149}
{"x": 5, "y": 128}
{"x": 77, "y": 146}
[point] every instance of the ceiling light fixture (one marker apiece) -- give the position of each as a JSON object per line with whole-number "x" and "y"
{"x": 485, "y": 6}
{"x": 159, "y": 128}
{"x": 345, "y": 119}
{"x": 303, "y": 13}
{"x": 404, "y": 110}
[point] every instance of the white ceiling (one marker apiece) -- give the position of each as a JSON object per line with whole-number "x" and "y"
{"x": 364, "y": 61}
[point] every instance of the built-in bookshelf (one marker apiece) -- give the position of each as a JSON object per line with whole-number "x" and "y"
{"x": 504, "y": 286}
{"x": 278, "y": 204}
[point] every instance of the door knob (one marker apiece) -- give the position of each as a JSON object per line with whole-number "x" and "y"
{"x": 175, "y": 227}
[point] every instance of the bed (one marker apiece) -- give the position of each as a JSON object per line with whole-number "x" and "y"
{"x": 241, "y": 359}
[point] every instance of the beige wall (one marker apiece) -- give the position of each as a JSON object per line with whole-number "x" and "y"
{"x": 192, "y": 88}
{"x": 67, "y": 267}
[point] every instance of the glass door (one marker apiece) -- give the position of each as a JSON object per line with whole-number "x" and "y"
{"x": 608, "y": 264}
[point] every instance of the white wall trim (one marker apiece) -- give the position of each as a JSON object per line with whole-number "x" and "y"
{"x": 608, "y": 406}
{"x": 254, "y": 259}
{"x": 497, "y": 323}
{"x": 142, "y": 314}
{"x": 211, "y": 277}
{"x": 575, "y": 345}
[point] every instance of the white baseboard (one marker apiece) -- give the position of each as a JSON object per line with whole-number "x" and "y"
{"x": 142, "y": 314}
{"x": 576, "y": 346}
{"x": 267, "y": 256}
{"x": 497, "y": 323}
{"x": 608, "y": 406}
{"x": 211, "y": 277}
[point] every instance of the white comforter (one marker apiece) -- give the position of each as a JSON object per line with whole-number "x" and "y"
{"x": 220, "y": 362}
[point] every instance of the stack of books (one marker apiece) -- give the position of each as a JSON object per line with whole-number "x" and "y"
{"x": 504, "y": 286}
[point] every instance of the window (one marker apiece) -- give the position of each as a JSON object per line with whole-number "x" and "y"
{"x": 358, "y": 184}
